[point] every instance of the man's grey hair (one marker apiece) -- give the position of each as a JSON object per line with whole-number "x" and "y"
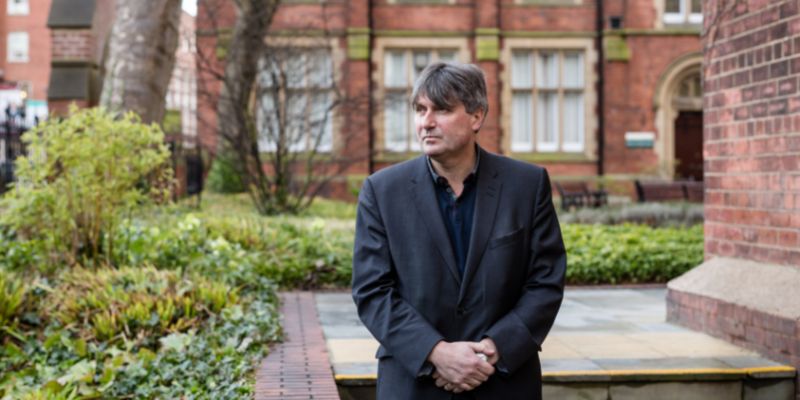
{"x": 446, "y": 84}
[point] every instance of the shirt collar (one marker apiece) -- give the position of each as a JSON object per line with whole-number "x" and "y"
{"x": 440, "y": 180}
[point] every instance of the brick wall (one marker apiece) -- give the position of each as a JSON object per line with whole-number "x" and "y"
{"x": 752, "y": 120}
{"x": 751, "y": 153}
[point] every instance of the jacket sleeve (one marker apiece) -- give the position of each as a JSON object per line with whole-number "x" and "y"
{"x": 400, "y": 329}
{"x": 519, "y": 334}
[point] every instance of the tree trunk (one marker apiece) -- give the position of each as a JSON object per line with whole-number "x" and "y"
{"x": 141, "y": 57}
{"x": 234, "y": 109}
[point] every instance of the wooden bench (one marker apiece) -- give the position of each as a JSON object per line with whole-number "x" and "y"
{"x": 578, "y": 194}
{"x": 669, "y": 191}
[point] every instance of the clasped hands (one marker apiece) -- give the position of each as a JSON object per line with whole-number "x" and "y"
{"x": 459, "y": 368}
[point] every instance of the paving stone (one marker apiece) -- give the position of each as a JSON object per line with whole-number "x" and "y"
{"x": 299, "y": 368}
{"x": 601, "y": 338}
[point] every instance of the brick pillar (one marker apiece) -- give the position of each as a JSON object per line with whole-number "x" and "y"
{"x": 747, "y": 290}
{"x": 487, "y": 55}
{"x": 356, "y": 129}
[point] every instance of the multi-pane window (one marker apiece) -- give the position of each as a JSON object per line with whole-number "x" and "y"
{"x": 683, "y": 11}
{"x": 401, "y": 68}
{"x": 18, "y": 7}
{"x": 547, "y": 101}
{"x": 296, "y": 100}
{"x": 17, "y": 47}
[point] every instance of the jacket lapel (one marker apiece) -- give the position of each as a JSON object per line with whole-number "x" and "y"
{"x": 488, "y": 192}
{"x": 428, "y": 207}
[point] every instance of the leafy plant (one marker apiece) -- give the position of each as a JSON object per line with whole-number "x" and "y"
{"x": 81, "y": 175}
{"x": 12, "y": 296}
{"x": 598, "y": 254}
{"x": 135, "y": 303}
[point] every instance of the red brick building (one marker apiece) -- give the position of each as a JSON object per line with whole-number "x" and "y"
{"x": 24, "y": 56}
{"x": 747, "y": 291}
{"x": 585, "y": 89}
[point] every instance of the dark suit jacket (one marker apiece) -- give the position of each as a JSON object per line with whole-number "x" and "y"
{"x": 409, "y": 293}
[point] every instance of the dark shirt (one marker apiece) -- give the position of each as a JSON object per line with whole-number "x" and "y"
{"x": 457, "y": 212}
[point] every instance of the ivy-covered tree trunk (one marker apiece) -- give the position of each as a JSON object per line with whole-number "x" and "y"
{"x": 141, "y": 57}
{"x": 235, "y": 121}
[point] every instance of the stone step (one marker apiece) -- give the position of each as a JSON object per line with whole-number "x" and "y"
{"x": 754, "y": 383}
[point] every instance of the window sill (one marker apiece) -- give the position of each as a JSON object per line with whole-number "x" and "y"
{"x": 553, "y": 157}
{"x": 393, "y": 157}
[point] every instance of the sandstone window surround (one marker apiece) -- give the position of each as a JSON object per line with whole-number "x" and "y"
{"x": 683, "y": 12}
{"x": 300, "y": 81}
{"x": 547, "y": 101}
{"x": 548, "y": 96}
{"x": 18, "y": 44}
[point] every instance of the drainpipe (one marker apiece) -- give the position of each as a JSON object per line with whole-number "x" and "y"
{"x": 600, "y": 88}
{"x": 370, "y": 108}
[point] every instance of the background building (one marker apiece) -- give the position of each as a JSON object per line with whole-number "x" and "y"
{"x": 182, "y": 92}
{"x": 583, "y": 88}
{"x": 24, "y": 59}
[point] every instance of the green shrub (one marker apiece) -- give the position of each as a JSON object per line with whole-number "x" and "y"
{"x": 130, "y": 303}
{"x": 12, "y": 297}
{"x": 598, "y": 254}
{"x": 223, "y": 178}
{"x": 81, "y": 176}
{"x": 653, "y": 214}
{"x": 236, "y": 250}
{"x": 142, "y": 350}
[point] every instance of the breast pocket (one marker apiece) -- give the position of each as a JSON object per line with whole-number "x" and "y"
{"x": 507, "y": 239}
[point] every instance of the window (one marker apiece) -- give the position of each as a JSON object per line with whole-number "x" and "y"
{"x": 683, "y": 11}
{"x": 547, "y": 101}
{"x": 18, "y": 7}
{"x": 400, "y": 70}
{"x": 18, "y": 47}
{"x": 296, "y": 100}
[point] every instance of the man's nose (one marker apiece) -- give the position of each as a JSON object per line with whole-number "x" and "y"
{"x": 428, "y": 120}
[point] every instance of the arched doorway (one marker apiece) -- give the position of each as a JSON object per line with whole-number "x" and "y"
{"x": 679, "y": 120}
{"x": 688, "y": 129}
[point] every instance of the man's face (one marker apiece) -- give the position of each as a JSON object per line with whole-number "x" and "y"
{"x": 445, "y": 132}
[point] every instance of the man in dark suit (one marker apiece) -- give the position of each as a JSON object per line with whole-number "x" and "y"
{"x": 458, "y": 267}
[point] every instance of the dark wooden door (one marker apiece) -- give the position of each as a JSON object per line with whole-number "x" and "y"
{"x": 689, "y": 145}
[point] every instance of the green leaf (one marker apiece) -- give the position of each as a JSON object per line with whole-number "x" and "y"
{"x": 83, "y": 371}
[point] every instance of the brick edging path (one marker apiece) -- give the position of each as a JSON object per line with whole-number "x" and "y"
{"x": 299, "y": 367}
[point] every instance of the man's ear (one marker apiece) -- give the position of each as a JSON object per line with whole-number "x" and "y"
{"x": 477, "y": 119}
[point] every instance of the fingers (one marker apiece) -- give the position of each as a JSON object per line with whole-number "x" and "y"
{"x": 478, "y": 347}
{"x": 440, "y": 382}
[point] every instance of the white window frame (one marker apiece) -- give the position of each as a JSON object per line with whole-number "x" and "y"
{"x": 14, "y": 8}
{"x": 310, "y": 91}
{"x": 684, "y": 14}
{"x": 533, "y": 85}
{"x": 586, "y": 143}
{"x": 15, "y": 42}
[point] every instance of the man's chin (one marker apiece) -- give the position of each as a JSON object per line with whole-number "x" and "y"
{"x": 431, "y": 151}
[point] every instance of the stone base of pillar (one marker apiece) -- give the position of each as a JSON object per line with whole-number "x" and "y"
{"x": 750, "y": 304}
